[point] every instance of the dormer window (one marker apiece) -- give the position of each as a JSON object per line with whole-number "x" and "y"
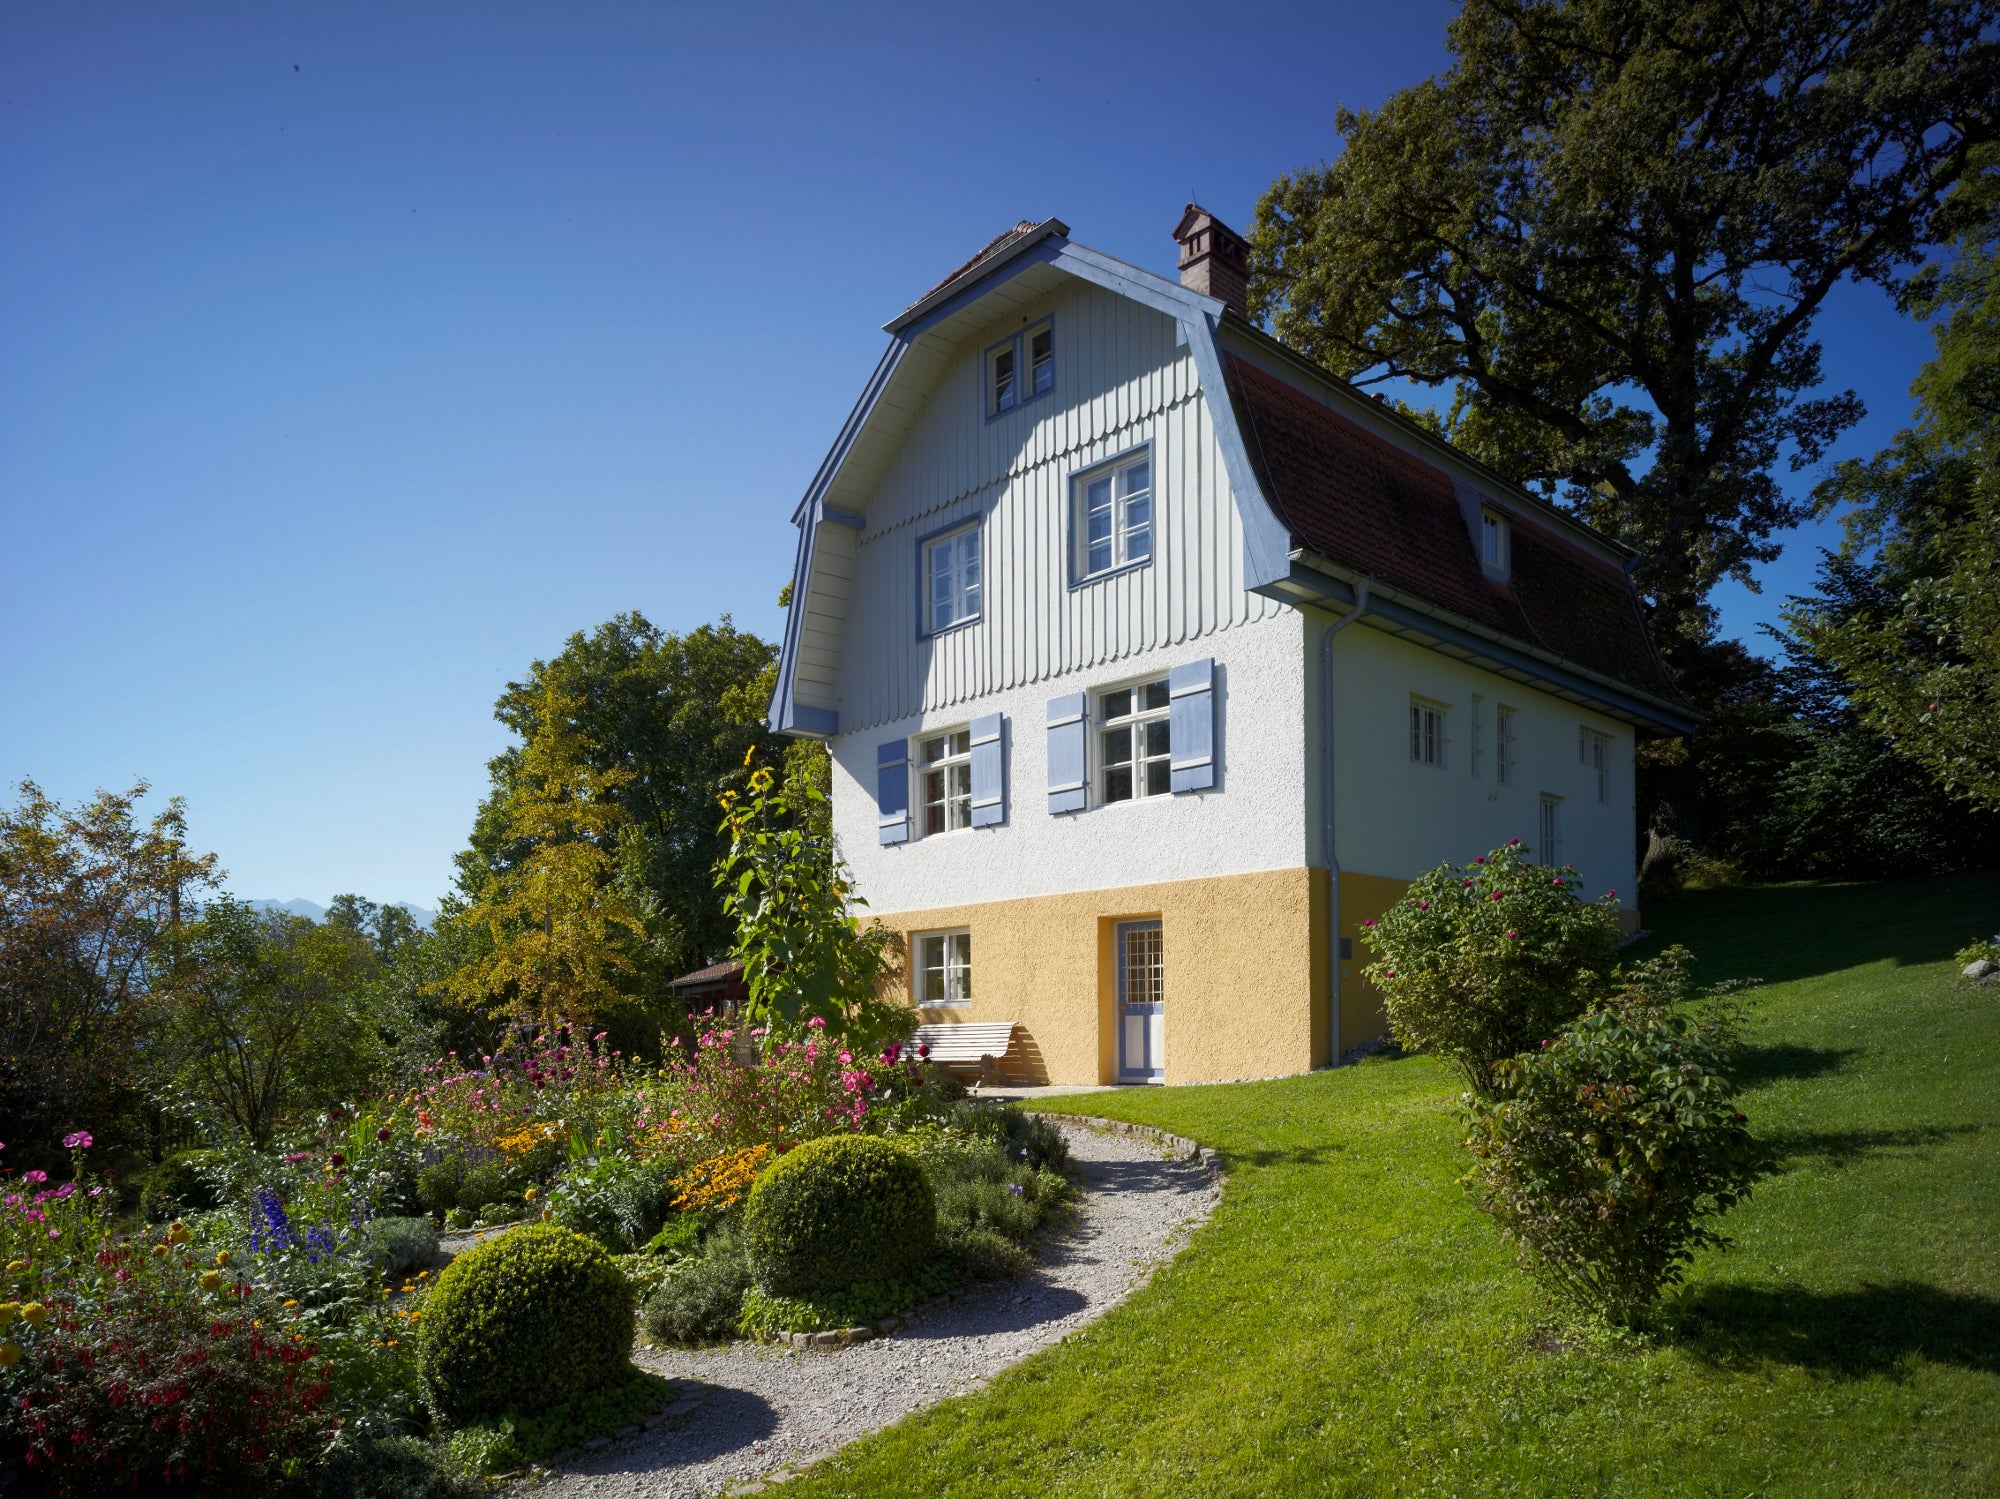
{"x": 1020, "y": 368}
{"x": 1493, "y": 545}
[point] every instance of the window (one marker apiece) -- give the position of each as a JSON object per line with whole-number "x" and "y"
{"x": 1506, "y": 741}
{"x": 1019, "y": 368}
{"x": 1114, "y": 517}
{"x": 1427, "y": 741}
{"x": 945, "y": 763}
{"x": 944, "y": 968}
{"x": 1133, "y": 741}
{"x": 1594, "y": 750}
{"x": 951, "y": 580}
{"x": 1478, "y": 755}
{"x": 1550, "y": 845}
{"x": 1493, "y": 544}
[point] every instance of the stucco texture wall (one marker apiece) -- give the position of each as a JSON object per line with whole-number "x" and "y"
{"x": 1245, "y": 975}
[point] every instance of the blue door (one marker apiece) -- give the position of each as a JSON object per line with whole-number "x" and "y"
{"x": 1142, "y": 1021}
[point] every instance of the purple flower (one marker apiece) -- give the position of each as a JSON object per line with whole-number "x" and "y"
{"x": 34, "y": 1176}
{"x": 79, "y": 1141}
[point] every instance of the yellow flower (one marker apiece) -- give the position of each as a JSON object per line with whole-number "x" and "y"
{"x": 221, "y": 1259}
{"x": 211, "y": 1279}
{"x": 159, "y": 1251}
{"x": 529, "y": 1195}
{"x": 10, "y": 1354}
{"x": 760, "y": 780}
{"x": 177, "y": 1233}
{"x": 15, "y": 1267}
{"x": 750, "y": 754}
{"x": 291, "y": 1303}
{"x": 34, "y": 1314}
{"x": 9, "y": 1310}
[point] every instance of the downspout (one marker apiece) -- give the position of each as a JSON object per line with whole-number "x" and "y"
{"x": 1326, "y": 812}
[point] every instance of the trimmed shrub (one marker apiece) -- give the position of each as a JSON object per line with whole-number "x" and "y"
{"x": 837, "y": 1212}
{"x": 1613, "y": 1141}
{"x": 523, "y": 1322}
{"x": 403, "y": 1243}
{"x": 1481, "y": 963}
{"x": 699, "y": 1300}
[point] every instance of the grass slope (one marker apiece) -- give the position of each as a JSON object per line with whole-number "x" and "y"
{"x": 1348, "y": 1323}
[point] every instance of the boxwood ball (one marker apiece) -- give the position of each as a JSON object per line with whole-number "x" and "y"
{"x": 534, "y": 1318}
{"x": 840, "y": 1211}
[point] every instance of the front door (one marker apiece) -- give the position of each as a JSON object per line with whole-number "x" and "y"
{"x": 1142, "y": 1022}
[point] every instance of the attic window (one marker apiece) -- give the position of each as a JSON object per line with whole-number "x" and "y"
{"x": 1493, "y": 545}
{"x": 1020, "y": 368}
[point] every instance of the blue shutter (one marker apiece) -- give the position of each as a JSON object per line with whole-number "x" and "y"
{"x": 892, "y": 791}
{"x": 1191, "y": 687}
{"x": 989, "y": 772}
{"x": 1067, "y": 790}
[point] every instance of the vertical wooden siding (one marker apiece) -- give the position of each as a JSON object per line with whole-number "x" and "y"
{"x": 1121, "y": 380}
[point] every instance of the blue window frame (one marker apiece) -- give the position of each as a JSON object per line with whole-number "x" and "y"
{"x": 1111, "y": 516}
{"x": 1020, "y": 368}
{"x": 951, "y": 578}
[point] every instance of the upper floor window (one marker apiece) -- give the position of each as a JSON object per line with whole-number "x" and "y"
{"x": 1020, "y": 368}
{"x": 1114, "y": 516}
{"x": 1594, "y": 750}
{"x": 951, "y": 579}
{"x": 1427, "y": 738}
{"x": 1133, "y": 741}
{"x": 944, "y": 968}
{"x": 1494, "y": 544}
{"x": 944, "y": 762}
{"x": 1508, "y": 748}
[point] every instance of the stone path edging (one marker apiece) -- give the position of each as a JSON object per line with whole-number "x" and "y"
{"x": 1179, "y": 1147}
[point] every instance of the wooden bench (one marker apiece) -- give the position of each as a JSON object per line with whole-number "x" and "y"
{"x": 975, "y": 1048}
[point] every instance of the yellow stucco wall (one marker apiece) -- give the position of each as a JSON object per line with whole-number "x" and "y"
{"x": 1245, "y": 975}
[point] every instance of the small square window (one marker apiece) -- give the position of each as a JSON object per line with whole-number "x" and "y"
{"x": 1427, "y": 732}
{"x": 944, "y": 968}
{"x": 944, "y": 763}
{"x": 1133, "y": 741}
{"x": 1114, "y": 517}
{"x": 951, "y": 580}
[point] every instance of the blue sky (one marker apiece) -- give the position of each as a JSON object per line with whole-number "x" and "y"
{"x": 352, "y": 356}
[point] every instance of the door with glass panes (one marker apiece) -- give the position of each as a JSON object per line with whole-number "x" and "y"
{"x": 1142, "y": 1021}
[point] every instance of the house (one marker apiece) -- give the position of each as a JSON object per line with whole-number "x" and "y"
{"x": 1153, "y": 659}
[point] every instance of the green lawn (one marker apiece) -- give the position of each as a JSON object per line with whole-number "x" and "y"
{"x": 1349, "y": 1324}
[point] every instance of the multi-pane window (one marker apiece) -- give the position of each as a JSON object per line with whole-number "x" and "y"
{"x": 1020, "y": 369}
{"x": 1505, "y": 738}
{"x": 1493, "y": 544}
{"x": 1114, "y": 517}
{"x": 951, "y": 579}
{"x": 1427, "y": 741}
{"x": 1594, "y": 750}
{"x": 1133, "y": 741}
{"x": 1478, "y": 752}
{"x": 1005, "y": 391}
{"x": 944, "y": 763}
{"x": 944, "y": 968}
{"x": 1550, "y": 844}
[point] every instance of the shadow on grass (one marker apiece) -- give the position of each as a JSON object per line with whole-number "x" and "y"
{"x": 1291, "y": 1155}
{"x": 1788, "y": 1148}
{"x": 1846, "y": 1334}
{"x": 1770, "y": 1064}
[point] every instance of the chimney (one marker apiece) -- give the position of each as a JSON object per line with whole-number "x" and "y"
{"x": 1214, "y": 259}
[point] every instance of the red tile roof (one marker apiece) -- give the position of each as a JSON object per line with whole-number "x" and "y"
{"x": 1366, "y": 504}
{"x": 714, "y": 973}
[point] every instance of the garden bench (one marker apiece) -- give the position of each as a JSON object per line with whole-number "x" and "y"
{"x": 968, "y": 1048}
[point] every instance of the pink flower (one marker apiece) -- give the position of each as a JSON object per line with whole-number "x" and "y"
{"x": 79, "y": 1141}
{"x": 1479, "y": 858}
{"x": 1494, "y": 896}
{"x": 1609, "y": 894}
{"x": 1513, "y": 934}
{"x": 923, "y": 1048}
{"x": 55, "y": 1233}
{"x": 34, "y": 1176}
{"x": 67, "y": 1189}
{"x": 1368, "y": 921}
{"x": 1557, "y": 881}
{"x": 817, "y": 1023}
{"x": 1423, "y": 905}
{"x": 1513, "y": 842}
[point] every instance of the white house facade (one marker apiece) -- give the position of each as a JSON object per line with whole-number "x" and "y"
{"x": 1152, "y": 660}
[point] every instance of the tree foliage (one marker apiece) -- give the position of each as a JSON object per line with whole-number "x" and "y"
{"x": 1608, "y": 227}
{"x": 1908, "y": 609}
{"x": 669, "y": 717}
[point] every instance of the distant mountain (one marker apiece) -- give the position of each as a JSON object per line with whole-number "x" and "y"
{"x": 314, "y": 911}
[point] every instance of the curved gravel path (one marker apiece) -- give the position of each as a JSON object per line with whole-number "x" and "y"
{"x": 751, "y": 1412}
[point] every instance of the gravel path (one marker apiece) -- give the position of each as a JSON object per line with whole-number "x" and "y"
{"x": 751, "y": 1412}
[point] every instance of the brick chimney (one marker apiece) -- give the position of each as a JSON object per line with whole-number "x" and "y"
{"x": 1214, "y": 259}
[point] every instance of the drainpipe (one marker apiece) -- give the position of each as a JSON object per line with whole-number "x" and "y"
{"x": 1326, "y": 811}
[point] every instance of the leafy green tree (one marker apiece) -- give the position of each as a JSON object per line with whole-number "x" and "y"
{"x": 262, "y": 1018}
{"x": 1608, "y": 227}
{"x": 806, "y": 955}
{"x": 388, "y": 929}
{"x": 1908, "y": 609}
{"x": 673, "y": 716}
{"x": 90, "y": 897}
{"x": 562, "y": 931}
